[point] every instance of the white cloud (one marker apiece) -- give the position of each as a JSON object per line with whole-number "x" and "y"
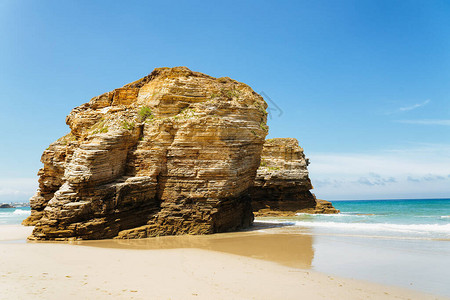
{"x": 426, "y": 122}
{"x": 429, "y": 177}
{"x": 417, "y": 105}
{"x": 17, "y": 189}
{"x": 419, "y": 172}
{"x": 408, "y": 108}
{"x": 374, "y": 179}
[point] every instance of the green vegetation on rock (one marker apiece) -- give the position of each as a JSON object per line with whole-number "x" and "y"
{"x": 263, "y": 126}
{"x": 128, "y": 125}
{"x": 99, "y": 127}
{"x": 145, "y": 113}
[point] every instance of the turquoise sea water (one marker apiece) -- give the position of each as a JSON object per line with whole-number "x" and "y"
{"x": 410, "y": 219}
{"x": 13, "y": 216}
{"x": 395, "y": 242}
{"x": 402, "y": 219}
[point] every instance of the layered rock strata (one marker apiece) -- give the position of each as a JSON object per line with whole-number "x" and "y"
{"x": 175, "y": 152}
{"x": 282, "y": 185}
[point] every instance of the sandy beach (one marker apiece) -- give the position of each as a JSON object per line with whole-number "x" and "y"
{"x": 225, "y": 150}
{"x": 209, "y": 268}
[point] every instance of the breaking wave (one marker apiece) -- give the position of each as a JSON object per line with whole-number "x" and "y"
{"x": 21, "y": 212}
{"x": 414, "y": 229}
{"x": 424, "y": 228}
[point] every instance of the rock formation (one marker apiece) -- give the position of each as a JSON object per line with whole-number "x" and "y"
{"x": 4, "y": 205}
{"x": 174, "y": 152}
{"x": 282, "y": 185}
{"x": 324, "y": 207}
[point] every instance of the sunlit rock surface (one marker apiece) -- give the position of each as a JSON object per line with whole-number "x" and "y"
{"x": 282, "y": 185}
{"x": 172, "y": 153}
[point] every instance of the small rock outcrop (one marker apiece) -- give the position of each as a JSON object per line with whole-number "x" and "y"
{"x": 175, "y": 152}
{"x": 4, "y": 205}
{"x": 325, "y": 207}
{"x": 282, "y": 185}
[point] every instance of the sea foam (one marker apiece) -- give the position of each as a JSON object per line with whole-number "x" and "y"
{"x": 372, "y": 227}
{"x": 21, "y": 212}
{"x": 424, "y": 228}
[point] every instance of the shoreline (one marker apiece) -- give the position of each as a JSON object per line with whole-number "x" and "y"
{"x": 241, "y": 265}
{"x": 52, "y": 271}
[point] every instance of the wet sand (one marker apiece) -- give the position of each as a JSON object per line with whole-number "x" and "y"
{"x": 413, "y": 264}
{"x": 289, "y": 250}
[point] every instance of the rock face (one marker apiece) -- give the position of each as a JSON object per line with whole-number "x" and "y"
{"x": 174, "y": 152}
{"x": 282, "y": 185}
{"x": 325, "y": 207}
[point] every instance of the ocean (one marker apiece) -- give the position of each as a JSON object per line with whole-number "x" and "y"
{"x": 13, "y": 216}
{"x": 394, "y": 242}
{"x": 396, "y": 219}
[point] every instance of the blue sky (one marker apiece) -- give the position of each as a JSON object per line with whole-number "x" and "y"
{"x": 363, "y": 85}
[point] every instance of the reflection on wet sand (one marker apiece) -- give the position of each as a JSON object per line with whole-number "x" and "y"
{"x": 294, "y": 250}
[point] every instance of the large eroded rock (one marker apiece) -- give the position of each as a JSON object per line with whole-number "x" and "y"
{"x": 172, "y": 153}
{"x": 282, "y": 185}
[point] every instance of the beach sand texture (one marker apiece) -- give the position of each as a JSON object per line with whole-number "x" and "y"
{"x": 133, "y": 270}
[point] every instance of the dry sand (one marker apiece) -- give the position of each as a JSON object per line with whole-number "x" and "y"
{"x": 14, "y": 232}
{"x": 97, "y": 271}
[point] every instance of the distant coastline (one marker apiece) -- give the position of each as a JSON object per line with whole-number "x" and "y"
{"x": 14, "y": 205}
